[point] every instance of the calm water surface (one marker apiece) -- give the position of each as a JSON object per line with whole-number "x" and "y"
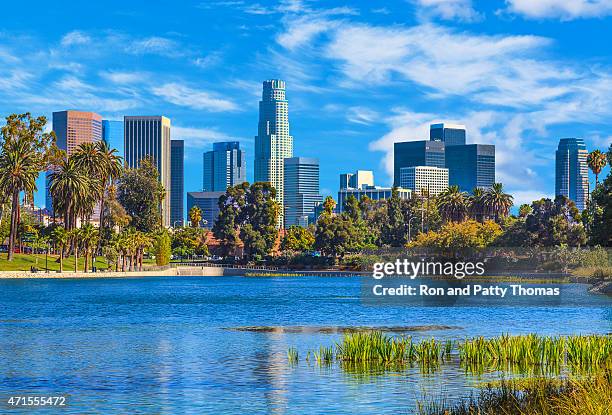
{"x": 161, "y": 345}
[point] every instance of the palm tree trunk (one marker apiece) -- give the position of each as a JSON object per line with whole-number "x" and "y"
{"x": 14, "y": 223}
{"x": 76, "y": 258}
{"x": 86, "y": 262}
{"x": 101, "y": 226}
{"x": 61, "y": 253}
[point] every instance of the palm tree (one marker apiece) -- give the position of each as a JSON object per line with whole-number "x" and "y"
{"x": 75, "y": 237}
{"x": 60, "y": 238}
{"x": 596, "y": 161}
{"x": 70, "y": 188}
{"x": 496, "y": 202}
{"x": 89, "y": 239}
{"x": 142, "y": 241}
{"x": 452, "y": 204}
{"x": 195, "y": 216}
{"x": 476, "y": 204}
{"x": 20, "y": 165}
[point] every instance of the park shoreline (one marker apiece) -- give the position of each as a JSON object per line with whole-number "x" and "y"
{"x": 596, "y": 286}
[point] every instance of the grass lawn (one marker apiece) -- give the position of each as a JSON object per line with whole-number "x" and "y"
{"x": 23, "y": 262}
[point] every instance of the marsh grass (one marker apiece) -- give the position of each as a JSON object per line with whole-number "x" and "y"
{"x": 591, "y": 396}
{"x": 292, "y": 355}
{"x": 530, "y": 354}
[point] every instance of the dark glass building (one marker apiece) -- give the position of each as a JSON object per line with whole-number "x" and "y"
{"x": 572, "y": 172}
{"x": 417, "y": 153}
{"x": 470, "y": 166}
{"x": 177, "y": 182}
{"x": 449, "y": 134}
{"x": 208, "y": 202}
{"x": 224, "y": 166}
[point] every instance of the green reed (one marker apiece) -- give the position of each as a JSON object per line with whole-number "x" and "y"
{"x": 292, "y": 355}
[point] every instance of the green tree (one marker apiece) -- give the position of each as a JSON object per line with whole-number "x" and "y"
{"x": 89, "y": 240}
{"x": 525, "y": 210}
{"x": 329, "y": 204}
{"x": 552, "y": 223}
{"x": 298, "y": 239}
{"x": 60, "y": 237}
{"x": 497, "y": 203}
{"x": 596, "y": 161}
{"x": 394, "y": 231}
{"x": 162, "y": 248}
{"x": 351, "y": 208}
{"x": 71, "y": 190}
{"x": 139, "y": 192}
{"x": 226, "y": 225}
{"x": 24, "y": 152}
{"x": 460, "y": 235}
{"x": 195, "y": 216}
{"x": 476, "y": 204}
{"x": 599, "y": 214}
{"x": 452, "y": 204}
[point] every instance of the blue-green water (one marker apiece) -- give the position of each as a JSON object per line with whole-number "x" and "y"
{"x": 160, "y": 345}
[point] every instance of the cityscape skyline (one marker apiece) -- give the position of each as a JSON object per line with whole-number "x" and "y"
{"x": 518, "y": 81}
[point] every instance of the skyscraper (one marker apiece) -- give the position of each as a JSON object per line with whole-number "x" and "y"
{"x": 417, "y": 153}
{"x": 449, "y": 134}
{"x": 273, "y": 143}
{"x": 73, "y": 128}
{"x": 571, "y": 171}
{"x": 149, "y": 136}
{"x": 224, "y": 166}
{"x": 301, "y": 190}
{"x": 470, "y": 166}
{"x": 112, "y": 134}
{"x": 177, "y": 181}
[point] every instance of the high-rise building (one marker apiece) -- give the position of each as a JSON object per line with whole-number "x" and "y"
{"x": 301, "y": 190}
{"x": 424, "y": 179}
{"x": 571, "y": 171}
{"x": 273, "y": 144}
{"x": 149, "y": 136}
{"x": 417, "y": 153}
{"x": 357, "y": 180}
{"x": 113, "y": 136}
{"x": 177, "y": 181}
{"x": 224, "y": 166}
{"x": 208, "y": 202}
{"x": 470, "y": 166}
{"x": 449, "y": 134}
{"x": 73, "y": 128}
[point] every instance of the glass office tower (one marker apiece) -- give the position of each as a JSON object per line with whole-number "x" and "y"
{"x": 224, "y": 166}
{"x": 572, "y": 172}
{"x": 301, "y": 190}
{"x": 177, "y": 182}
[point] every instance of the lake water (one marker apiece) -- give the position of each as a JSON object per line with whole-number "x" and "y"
{"x": 161, "y": 345}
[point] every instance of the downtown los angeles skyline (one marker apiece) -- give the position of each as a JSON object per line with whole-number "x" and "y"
{"x": 359, "y": 77}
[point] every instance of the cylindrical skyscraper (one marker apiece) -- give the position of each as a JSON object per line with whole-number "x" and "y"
{"x": 273, "y": 144}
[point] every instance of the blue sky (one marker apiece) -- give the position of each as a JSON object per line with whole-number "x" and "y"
{"x": 360, "y": 74}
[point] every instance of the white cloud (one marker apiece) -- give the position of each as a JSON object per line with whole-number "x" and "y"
{"x": 75, "y": 38}
{"x": 121, "y": 77}
{"x": 560, "y": 9}
{"x": 522, "y": 197}
{"x": 362, "y": 115}
{"x": 154, "y": 45}
{"x": 461, "y": 10}
{"x": 302, "y": 31}
{"x": 188, "y": 97}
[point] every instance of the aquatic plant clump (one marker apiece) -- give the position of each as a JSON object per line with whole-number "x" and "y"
{"x": 584, "y": 353}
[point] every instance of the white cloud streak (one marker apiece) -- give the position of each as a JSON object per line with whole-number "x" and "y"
{"x": 560, "y": 9}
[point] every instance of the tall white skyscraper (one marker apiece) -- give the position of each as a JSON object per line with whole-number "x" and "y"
{"x": 273, "y": 144}
{"x": 149, "y": 136}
